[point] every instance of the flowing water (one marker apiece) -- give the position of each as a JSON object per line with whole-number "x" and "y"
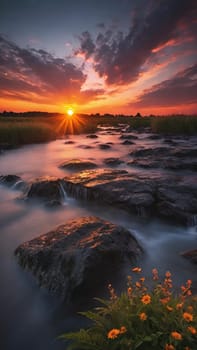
{"x": 30, "y": 317}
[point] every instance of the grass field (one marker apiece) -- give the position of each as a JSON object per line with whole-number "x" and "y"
{"x": 21, "y": 130}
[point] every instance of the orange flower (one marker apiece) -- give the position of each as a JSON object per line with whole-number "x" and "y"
{"x": 113, "y": 333}
{"x": 169, "y": 308}
{"x": 138, "y": 284}
{"x": 176, "y": 335}
{"x": 146, "y": 299}
{"x": 123, "y": 330}
{"x": 187, "y": 317}
{"x": 169, "y": 347}
{"x": 168, "y": 274}
{"x": 129, "y": 291}
{"x": 142, "y": 279}
{"x": 192, "y": 330}
{"x": 187, "y": 348}
{"x": 143, "y": 316}
{"x": 179, "y": 306}
{"x": 137, "y": 269}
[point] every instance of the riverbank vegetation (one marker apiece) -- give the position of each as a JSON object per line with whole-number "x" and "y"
{"x": 141, "y": 318}
{"x": 27, "y": 128}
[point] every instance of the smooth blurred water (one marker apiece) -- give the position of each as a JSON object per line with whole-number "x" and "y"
{"x": 30, "y": 317}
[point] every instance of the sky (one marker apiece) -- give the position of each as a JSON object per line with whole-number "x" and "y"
{"x": 99, "y": 56}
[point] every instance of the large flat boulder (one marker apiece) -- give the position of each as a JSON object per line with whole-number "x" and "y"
{"x": 73, "y": 257}
{"x": 113, "y": 187}
{"x": 168, "y": 198}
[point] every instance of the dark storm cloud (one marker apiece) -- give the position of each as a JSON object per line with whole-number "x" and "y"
{"x": 119, "y": 58}
{"x": 180, "y": 90}
{"x": 38, "y": 72}
{"x": 87, "y": 45}
{"x": 56, "y": 73}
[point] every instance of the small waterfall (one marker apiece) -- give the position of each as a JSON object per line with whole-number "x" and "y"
{"x": 192, "y": 220}
{"x": 63, "y": 193}
{"x": 18, "y": 185}
{"x": 141, "y": 211}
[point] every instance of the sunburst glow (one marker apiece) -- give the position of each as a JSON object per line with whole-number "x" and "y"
{"x": 70, "y": 112}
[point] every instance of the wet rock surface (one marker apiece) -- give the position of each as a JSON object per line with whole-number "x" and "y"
{"x": 67, "y": 259}
{"x": 172, "y": 158}
{"x": 128, "y": 142}
{"x": 92, "y": 136}
{"x": 169, "y": 198}
{"x": 78, "y": 165}
{"x": 13, "y": 181}
{"x": 47, "y": 190}
{"x": 113, "y": 187}
{"x": 104, "y": 146}
{"x": 113, "y": 161}
{"x": 128, "y": 137}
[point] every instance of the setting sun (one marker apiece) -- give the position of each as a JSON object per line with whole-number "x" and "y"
{"x": 70, "y": 112}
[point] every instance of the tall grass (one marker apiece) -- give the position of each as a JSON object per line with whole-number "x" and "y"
{"x": 22, "y": 130}
{"x": 175, "y": 125}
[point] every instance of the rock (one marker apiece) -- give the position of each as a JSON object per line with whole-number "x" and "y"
{"x": 113, "y": 187}
{"x": 13, "y": 181}
{"x": 47, "y": 190}
{"x": 153, "y": 152}
{"x": 69, "y": 142}
{"x": 168, "y": 198}
{"x": 177, "y": 202}
{"x": 170, "y": 141}
{"x": 184, "y": 152}
{"x": 127, "y": 142}
{"x": 78, "y": 165}
{"x": 180, "y": 164}
{"x": 85, "y": 146}
{"x": 191, "y": 255}
{"x": 144, "y": 163}
{"x": 67, "y": 259}
{"x": 113, "y": 161}
{"x": 92, "y": 136}
{"x": 154, "y": 137}
{"x": 128, "y": 137}
{"x": 104, "y": 146}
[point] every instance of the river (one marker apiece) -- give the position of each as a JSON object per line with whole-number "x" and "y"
{"x": 30, "y": 317}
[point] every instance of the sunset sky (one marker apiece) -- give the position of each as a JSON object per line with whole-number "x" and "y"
{"x": 107, "y": 56}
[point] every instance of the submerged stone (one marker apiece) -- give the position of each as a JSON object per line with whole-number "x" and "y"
{"x": 92, "y": 136}
{"x": 113, "y": 161}
{"x": 78, "y": 165}
{"x": 67, "y": 259}
{"x": 105, "y": 146}
{"x": 13, "y": 181}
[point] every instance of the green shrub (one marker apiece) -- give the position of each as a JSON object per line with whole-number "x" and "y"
{"x": 141, "y": 318}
